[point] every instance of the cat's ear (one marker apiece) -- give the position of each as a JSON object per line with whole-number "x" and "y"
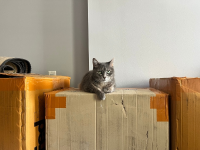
{"x": 112, "y": 63}
{"x": 95, "y": 63}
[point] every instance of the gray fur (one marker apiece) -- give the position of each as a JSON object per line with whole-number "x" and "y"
{"x": 99, "y": 80}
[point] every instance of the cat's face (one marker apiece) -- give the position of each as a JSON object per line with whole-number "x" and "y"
{"x": 103, "y": 71}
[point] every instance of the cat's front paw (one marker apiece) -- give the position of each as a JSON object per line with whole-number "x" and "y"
{"x": 102, "y": 96}
{"x": 108, "y": 89}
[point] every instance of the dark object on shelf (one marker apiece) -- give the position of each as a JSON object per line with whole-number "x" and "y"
{"x": 14, "y": 65}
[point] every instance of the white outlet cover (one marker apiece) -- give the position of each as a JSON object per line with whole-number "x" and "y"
{"x": 52, "y": 73}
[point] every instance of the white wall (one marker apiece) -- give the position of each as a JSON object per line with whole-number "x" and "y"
{"x": 51, "y": 34}
{"x": 148, "y": 39}
{"x": 21, "y": 31}
{"x": 65, "y": 31}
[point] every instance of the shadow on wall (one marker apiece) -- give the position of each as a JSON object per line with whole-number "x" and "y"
{"x": 65, "y": 27}
{"x": 80, "y": 32}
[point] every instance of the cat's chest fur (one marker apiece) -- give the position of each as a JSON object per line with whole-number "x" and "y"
{"x": 104, "y": 84}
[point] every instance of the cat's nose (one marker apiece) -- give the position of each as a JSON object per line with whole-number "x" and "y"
{"x": 104, "y": 77}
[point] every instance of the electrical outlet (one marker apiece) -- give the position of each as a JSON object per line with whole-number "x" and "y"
{"x": 52, "y": 73}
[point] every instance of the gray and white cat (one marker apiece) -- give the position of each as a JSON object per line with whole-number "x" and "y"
{"x": 100, "y": 80}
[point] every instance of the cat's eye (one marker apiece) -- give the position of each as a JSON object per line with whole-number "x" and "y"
{"x": 108, "y": 71}
{"x": 99, "y": 72}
